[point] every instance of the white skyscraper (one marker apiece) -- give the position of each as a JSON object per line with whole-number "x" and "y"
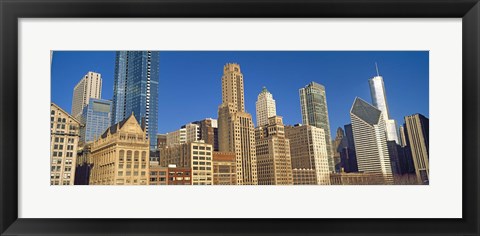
{"x": 90, "y": 86}
{"x": 370, "y": 140}
{"x": 379, "y": 100}
{"x": 265, "y": 107}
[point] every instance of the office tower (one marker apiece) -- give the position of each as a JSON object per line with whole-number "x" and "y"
{"x": 395, "y": 152}
{"x": 236, "y": 132}
{"x": 121, "y": 155}
{"x": 274, "y": 163}
{"x": 402, "y": 139}
{"x": 346, "y": 148}
{"x": 95, "y": 118}
{"x": 336, "y": 149}
{"x": 379, "y": 100}
{"x": 90, "y": 86}
{"x": 135, "y": 89}
{"x": 417, "y": 127}
{"x": 308, "y": 151}
{"x": 370, "y": 142}
{"x": 64, "y": 137}
{"x": 161, "y": 141}
{"x": 313, "y": 102}
{"x": 265, "y": 107}
{"x": 195, "y": 155}
{"x": 187, "y": 133}
{"x": 84, "y": 164}
{"x": 209, "y": 131}
{"x": 224, "y": 168}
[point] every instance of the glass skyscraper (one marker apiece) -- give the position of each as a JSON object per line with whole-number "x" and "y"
{"x": 313, "y": 102}
{"x": 95, "y": 118}
{"x": 379, "y": 100}
{"x": 136, "y": 89}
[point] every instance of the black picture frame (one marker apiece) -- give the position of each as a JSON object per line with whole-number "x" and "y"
{"x": 12, "y": 10}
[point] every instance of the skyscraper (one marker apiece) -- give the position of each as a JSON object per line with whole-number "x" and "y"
{"x": 64, "y": 136}
{"x": 370, "y": 141}
{"x": 313, "y": 102}
{"x": 135, "y": 89}
{"x": 274, "y": 163}
{"x": 90, "y": 86}
{"x": 417, "y": 127}
{"x": 265, "y": 107}
{"x": 95, "y": 119}
{"x": 209, "y": 131}
{"x": 379, "y": 100}
{"x": 236, "y": 132}
{"x": 346, "y": 148}
{"x": 308, "y": 151}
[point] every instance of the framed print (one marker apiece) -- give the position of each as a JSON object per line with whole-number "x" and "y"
{"x": 239, "y": 117}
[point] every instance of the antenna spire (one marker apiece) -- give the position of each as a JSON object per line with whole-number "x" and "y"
{"x": 376, "y": 67}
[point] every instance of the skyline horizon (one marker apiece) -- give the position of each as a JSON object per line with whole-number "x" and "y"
{"x": 166, "y": 124}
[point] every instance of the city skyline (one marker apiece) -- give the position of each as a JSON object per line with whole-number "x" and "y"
{"x": 405, "y": 75}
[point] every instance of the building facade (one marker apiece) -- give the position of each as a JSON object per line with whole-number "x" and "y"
{"x": 64, "y": 138}
{"x": 236, "y": 132}
{"x": 265, "y": 107}
{"x": 224, "y": 168}
{"x": 170, "y": 175}
{"x": 304, "y": 176}
{"x": 95, "y": 118}
{"x": 358, "y": 178}
{"x": 308, "y": 151}
{"x": 370, "y": 140}
{"x": 187, "y": 133}
{"x": 313, "y": 102}
{"x": 90, "y": 86}
{"x": 121, "y": 155}
{"x": 194, "y": 155}
{"x": 417, "y": 136}
{"x": 348, "y": 157}
{"x": 274, "y": 163}
{"x": 209, "y": 131}
{"x": 379, "y": 100}
{"x": 135, "y": 89}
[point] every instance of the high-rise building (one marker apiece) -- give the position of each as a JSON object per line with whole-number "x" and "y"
{"x": 236, "y": 132}
{"x": 187, "y": 133}
{"x": 336, "y": 149}
{"x": 346, "y": 148}
{"x": 90, "y": 86}
{"x": 224, "y": 168}
{"x": 161, "y": 140}
{"x": 308, "y": 151}
{"x": 135, "y": 89}
{"x": 370, "y": 142}
{"x": 195, "y": 155}
{"x": 417, "y": 127}
{"x": 209, "y": 131}
{"x": 265, "y": 107}
{"x": 95, "y": 119}
{"x": 274, "y": 163}
{"x": 84, "y": 164}
{"x": 121, "y": 155}
{"x": 402, "y": 138}
{"x": 379, "y": 100}
{"x": 313, "y": 101}
{"x": 64, "y": 137}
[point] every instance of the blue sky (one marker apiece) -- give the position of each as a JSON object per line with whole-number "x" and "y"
{"x": 190, "y": 81}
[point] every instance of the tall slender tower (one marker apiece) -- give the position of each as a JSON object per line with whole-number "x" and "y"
{"x": 265, "y": 107}
{"x": 370, "y": 141}
{"x": 379, "y": 100}
{"x": 236, "y": 132}
{"x": 417, "y": 127}
{"x": 136, "y": 89}
{"x": 90, "y": 86}
{"x": 313, "y": 102}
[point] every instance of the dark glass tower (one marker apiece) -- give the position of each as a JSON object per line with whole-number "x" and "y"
{"x": 135, "y": 89}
